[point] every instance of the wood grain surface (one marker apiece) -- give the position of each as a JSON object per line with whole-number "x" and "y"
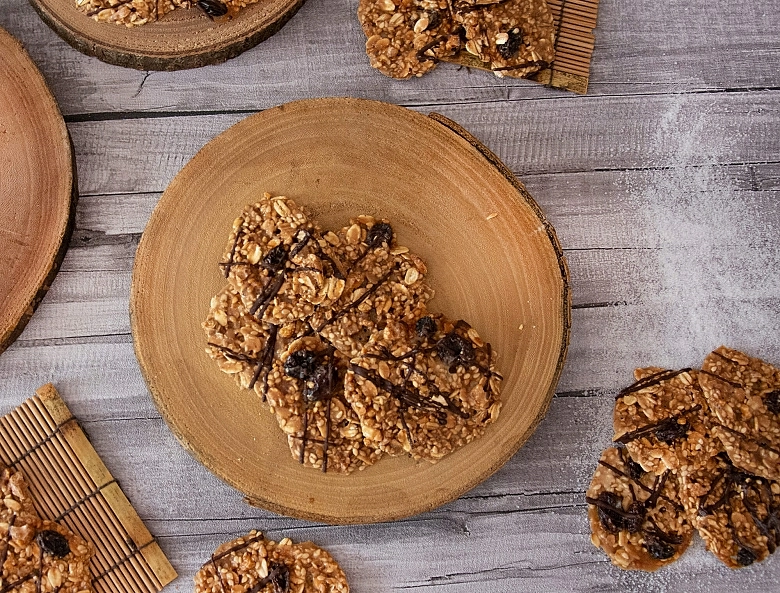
{"x": 37, "y": 188}
{"x": 662, "y": 184}
{"x": 183, "y": 38}
{"x": 449, "y": 200}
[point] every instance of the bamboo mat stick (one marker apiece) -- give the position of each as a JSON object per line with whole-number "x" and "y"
{"x": 71, "y": 484}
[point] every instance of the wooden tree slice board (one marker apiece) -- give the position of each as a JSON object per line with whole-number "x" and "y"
{"x": 183, "y": 38}
{"x": 492, "y": 258}
{"x": 37, "y": 188}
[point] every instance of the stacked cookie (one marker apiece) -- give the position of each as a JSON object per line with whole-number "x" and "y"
{"x": 37, "y": 555}
{"x": 133, "y": 13}
{"x": 694, "y": 449}
{"x": 332, "y": 329}
{"x": 408, "y": 38}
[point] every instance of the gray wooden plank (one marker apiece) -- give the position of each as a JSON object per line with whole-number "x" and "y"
{"x": 645, "y": 47}
{"x": 679, "y": 132}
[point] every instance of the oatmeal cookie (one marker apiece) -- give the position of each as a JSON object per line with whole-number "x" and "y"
{"x": 407, "y": 38}
{"x": 516, "y": 37}
{"x": 426, "y": 391}
{"x": 662, "y": 420}
{"x": 306, "y": 393}
{"x": 253, "y": 564}
{"x": 277, "y": 262}
{"x": 36, "y": 555}
{"x": 744, "y": 396}
{"x": 384, "y": 283}
{"x": 635, "y": 516}
{"x": 242, "y": 346}
{"x": 736, "y": 513}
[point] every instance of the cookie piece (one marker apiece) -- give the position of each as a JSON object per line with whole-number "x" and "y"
{"x": 425, "y": 392}
{"x": 736, "y": 513}
{"x": 407, "y": 38}
{"x": 306, "y": 393}
{"x": 242, "y": 346}
{"x": 662, "y": 420}
{"x": 384, "y": 283}
{"x": 38, "y": 556}
{"x": 515, "y": 38}
{"x": 744, "y": 396}
{"x": 635, "y": 516}
{"x": 277, "y": 262}
{"x": 253, "y": 564}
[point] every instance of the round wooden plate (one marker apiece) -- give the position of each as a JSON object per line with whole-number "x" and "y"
{"x": 37, "y": 188}
{"x": 492, "y": 259}
{"x": 183, "y": 38}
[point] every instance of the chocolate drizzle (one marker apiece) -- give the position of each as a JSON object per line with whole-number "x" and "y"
{"x": 266, "y": 360}
{"x": 754, "y": 493}
{"x": 278, "y": 575}
{"x": 666, "y": 431}
{"x": 614, "y": 518}
{"x": 719, "y": 378}
{"x": 650, "y": 381}
{"x": 339, "y": 314}
{"x": 763, "y": 443}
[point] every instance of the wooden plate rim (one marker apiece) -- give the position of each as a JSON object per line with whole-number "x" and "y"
{"x": 204, "y": 56}
{"x": 11, "y": 333}
{"x": 480, "y": 150}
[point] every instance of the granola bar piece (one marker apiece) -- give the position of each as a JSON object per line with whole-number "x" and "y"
{"x": 736, "y": 513}
{"x": 306, "y": 393}
{"x": 242, "y": 346}
{"x": 425, "y": 392}
{"x": 253, "y": 564}
{"x": 38, "y": 556}
{"x": 384, "y": 283}
{"x": 635, "y": 516}
{"x": 744, "y": 396}
{"x": 278, "y": 263}
{"x": 407, "y": 38}
{"x": 662, "y": 420}
{"x": 515, "y": 37}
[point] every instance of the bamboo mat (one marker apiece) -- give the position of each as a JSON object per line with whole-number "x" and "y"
{"x": 574, "y": 22}
{"x": 70, "y": 484}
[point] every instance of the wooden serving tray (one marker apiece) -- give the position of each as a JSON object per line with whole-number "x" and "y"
{"x": 37, "y": 188}
{"x": 70, "y": 484}
{"x": 184, "y": 38}
{"x": 492, "y": 258}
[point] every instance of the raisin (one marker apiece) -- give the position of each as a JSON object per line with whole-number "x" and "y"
{"x": 745, "y": 557}
{"x": 380, "y": 233}
{"x": 657, "y": 548}
{"x": 275, "y": 259}
{"x": 670, "y": 431}
{"x": 454, "y": 349}
{"x": 512, "y": 46}
{"x": 633, "y": 522}
{"x": 301, "y": 364}
{"x": 635, "y": 470}
{"x": 281, "y": 578}
{"x": 319, "y": 382}
{"x": 213, "y": 7}
{"x": 610, "y": 521}
{"x": 434, "y": 20}
{"x": 425, "y": 327}
{"x": 53, "y": 542}
{"x": 772, "y": 401}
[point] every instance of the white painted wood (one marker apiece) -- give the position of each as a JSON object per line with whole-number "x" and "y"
{"x": 662, "y": 183}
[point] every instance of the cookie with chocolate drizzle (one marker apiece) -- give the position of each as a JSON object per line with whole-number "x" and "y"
{"x": 384, "y": 283}
{"x": 736, "y": 513}
{"x": 37, "y": 555}
{"x": 306, "y": 393}
{"x": 279, "y": 264}
{"x": 425, "y": 391}
{"x": 744, "y": 395}
{"x": 636, "y": 516}
{"x": 514, "y": 37}
{"x": 244, "y": 347}
{"x": 254, "y": 564}
{"x": 662, "y": 420}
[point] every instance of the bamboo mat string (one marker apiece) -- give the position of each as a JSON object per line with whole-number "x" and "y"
{"x": 70, "y": 484}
